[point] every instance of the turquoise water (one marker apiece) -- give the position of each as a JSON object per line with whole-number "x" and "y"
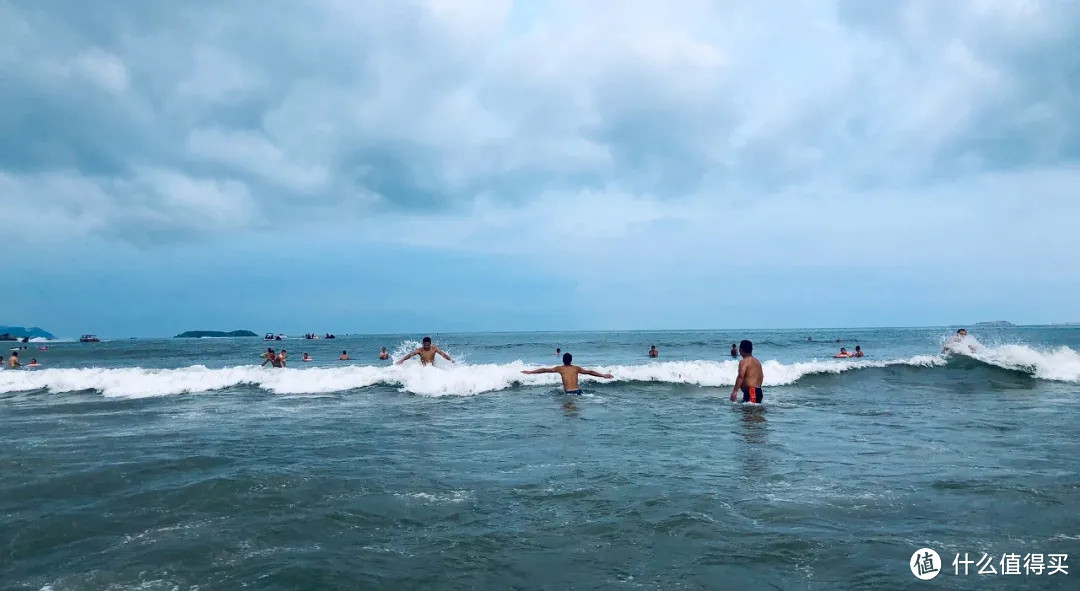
{"x": 179, "y": 464}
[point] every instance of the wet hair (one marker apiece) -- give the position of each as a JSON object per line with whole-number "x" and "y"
{"x": 384, "y": 348}
{"x": 558, "y": 350}
{"x": 746, "y": 347}
{"x": 732, "y": 345}
{"x": 269, "y": 349}
{"x": 843, "y": 349}
{"x": 427, "y": 340}
{"x": 16, "y": 353}
{"x": 567, "y": 358}
{"x": 858, "y": 348}
{"x": 344, "y": 353}
{"x": 961, "y": 331}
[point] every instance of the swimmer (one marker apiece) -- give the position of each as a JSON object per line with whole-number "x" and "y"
{"x": 569, "y": 374}
{"x": 344, "y": 356}
{"x": 281, "y": 358}
{"x": 734, "y": 351}
{"x": 653, "y": 352}
{"x": 271, "y": 358}
{"x": 307, "y": 357}
{"x": 558, "y": 352}
{"x": 13, "y": 361}
{"x": 427, "y": 353}
{"x": 750, "y": 375}
{"x": 858, "y": 351}
{"x": 843, "y": 354}
{"x": 33, "y": 363}
{"x": 957, "y": 339}
{"x": 383, "y": 355}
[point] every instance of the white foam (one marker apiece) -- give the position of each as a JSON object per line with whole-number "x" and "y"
{"x": 1061, "y": 364}
{"x": 444, "y": 379}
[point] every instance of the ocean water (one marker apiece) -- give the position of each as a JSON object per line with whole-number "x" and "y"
{"x": 181, "y": 464}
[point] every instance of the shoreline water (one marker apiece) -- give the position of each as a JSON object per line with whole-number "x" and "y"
{"x": 118, "y": 475}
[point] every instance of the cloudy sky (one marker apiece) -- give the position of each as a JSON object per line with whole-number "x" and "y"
{"x": 445, "y": 165}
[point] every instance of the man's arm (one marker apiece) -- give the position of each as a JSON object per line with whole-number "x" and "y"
{"x": 443, "y": 353}
{"x": 743, "y": 366}
{"x": 597, "y": 374}
{"x": 407, "y": 357}
{"x": 541, "y": 370}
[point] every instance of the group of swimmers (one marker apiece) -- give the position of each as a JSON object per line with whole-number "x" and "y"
{"x": 749, "y": 379}
{"x": 13, "y": 361}
{"x": 426, "y": 351}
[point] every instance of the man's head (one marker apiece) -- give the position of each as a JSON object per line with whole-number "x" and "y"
{"x": 269, "y": 349}
{"x": 746, "y": 347}
{"x": 962, "y": 332}
{"x": 344, "y": 353}
{"x": 858, "y": 348}
{"x": 567, "y": 358}
{"x": 654, "y": 346}
{"x": 426, "y": 342}
{"x": 14, "y": 353}
{"x": 732, "y": 345}
{"x": 384, "y": 349}
{"x": 843, "y": 350}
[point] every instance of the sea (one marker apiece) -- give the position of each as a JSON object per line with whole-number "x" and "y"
{"x": 181, "y": 464}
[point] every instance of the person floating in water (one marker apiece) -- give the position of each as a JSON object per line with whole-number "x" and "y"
{"x": 858, "y": 351}
{"x": 569, "y": 374}
{"x": 734, "y": 351}
{"x": 344, "y": 356}
{"x": 427, "y": 353}
{"x": 843, "y": 354}
{"x": 558, "y": 351}
{"x": 33, "y": 363}
{"x": 958, "y": 339}
{"x": 306, "y": 357}
{"x": 750, "y": 375}
{"x": 383, "y": 355}
{"x": 271, "y": 358}
{"x": 653, "y": 352}
{"x": 13, "y": 361}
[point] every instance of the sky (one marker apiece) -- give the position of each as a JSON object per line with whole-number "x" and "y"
{"x": 456, "y": 165}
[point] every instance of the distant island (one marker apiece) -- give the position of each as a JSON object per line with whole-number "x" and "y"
{"x": 198, "y": 334}
{"x": 995, "y": 324}
{"x": 19, "y": 332}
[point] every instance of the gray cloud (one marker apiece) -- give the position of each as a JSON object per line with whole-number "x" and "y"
{"x": 158, "y": 122}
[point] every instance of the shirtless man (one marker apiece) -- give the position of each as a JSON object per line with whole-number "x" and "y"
{"x": 750, "y": 375}
{"x": 569, "y": 374}
{"x": 653, "y": 352}
{"x": 734, "y": 351}
{"x": 271, "y": 358}
{"x": 344, "y": 356}
{"x": 858, "y": 352}
{"x": 843, "y": 354}
{"x": 427, "y": 353}
{"x": 281, "y": 359}
{"x": 383, "y": 355}
{"x": 13, "y": 361}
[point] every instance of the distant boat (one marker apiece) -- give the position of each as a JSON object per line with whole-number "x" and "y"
{"x": 89, "y": 338}
{"x": 8, "y": 337}
{"x": 268, "y": 336}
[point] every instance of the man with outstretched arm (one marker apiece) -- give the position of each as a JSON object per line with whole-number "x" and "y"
{"x": 427, "y": 353}
{"x": 569, "y": 374}
{"x": 750, "y": 375}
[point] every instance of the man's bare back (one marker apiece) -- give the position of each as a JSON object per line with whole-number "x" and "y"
{"x": 569, "y": 374}
{"x": 751, "y": 375}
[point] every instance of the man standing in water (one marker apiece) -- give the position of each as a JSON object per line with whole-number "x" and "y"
{"x": 427, "y": 353}
{"x": 13, "y": 361}
{"x": 383, "y": 355}
{"x": 569, "y": 374}
{"x": 750, "y": 375}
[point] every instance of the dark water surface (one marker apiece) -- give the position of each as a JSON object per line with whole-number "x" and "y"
{"x": 177, "y": 465}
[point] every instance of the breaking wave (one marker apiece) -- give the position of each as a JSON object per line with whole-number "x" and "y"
{"x": 1061, "y": 364}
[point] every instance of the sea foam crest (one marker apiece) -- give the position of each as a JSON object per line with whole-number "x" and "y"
{"x": 441, "y": 380}
{"x": 1060, "y": 364}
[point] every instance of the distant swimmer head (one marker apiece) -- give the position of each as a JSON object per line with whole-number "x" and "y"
{"x": 567, "y": 358}
{"x": 857, "y": 348}
{"x": 746, "y": 347}
{"x": 384, "y": 349}
{"x": 843, "y": 350}
{"x": 344, "y": 352}
{"x": 269, "y": 349}
{"x": 962, "y": 332}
